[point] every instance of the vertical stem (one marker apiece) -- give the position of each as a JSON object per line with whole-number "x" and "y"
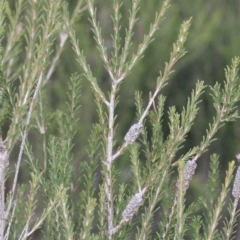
{"x": 147, "y": 218}
{"x": 3, "y": 165}
{"x": 232, "y": 219}
{"x": 44, "y": 152}
{"x": 42, "y": 129}
{"x": 2, "y": 196}
{"x": 170, "y": 218}
{"x": 108, "y": 186}
{"x": 24, "y": 136}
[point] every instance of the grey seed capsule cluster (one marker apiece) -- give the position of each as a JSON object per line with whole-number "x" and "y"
{"x": 236, "y": 185}
{"x": 133, "y": 133}
{"x": 189, "y": 170}
{"x": 133, "y": 206}
{"x": 3, "y": 154}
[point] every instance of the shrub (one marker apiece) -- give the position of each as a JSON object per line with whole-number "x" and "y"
{"x": 94, "y": 202}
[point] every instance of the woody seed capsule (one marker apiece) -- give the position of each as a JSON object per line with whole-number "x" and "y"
{"x": 189, "y": 170}
{"x": 133, "y": 206}
{"x": 133, "y": 133}
{"x": 236, "y": 185}
{"x": 3, "y": 154}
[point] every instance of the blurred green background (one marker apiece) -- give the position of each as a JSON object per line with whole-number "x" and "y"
{"x": 214, "y": 38}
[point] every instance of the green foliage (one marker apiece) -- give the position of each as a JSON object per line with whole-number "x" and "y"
{"x": 90, "y": 173}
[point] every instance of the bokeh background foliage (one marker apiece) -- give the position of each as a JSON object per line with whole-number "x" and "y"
{"x": 214, "y": 38}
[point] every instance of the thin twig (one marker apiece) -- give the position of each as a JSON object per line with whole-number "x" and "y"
{"x": 10, "y": 222}
{"x": 3, "y": 166}
{"x": 161, "y": 84}
{"x": 42, "y": 129}
{"x": 170, "y": 218}
{"x": 152, "y": 206}
{"x": 232, "y": 219}
{"x": 63, "y": 39}
{"x": 23, "y": 232}
{"x": 38, "y": 224}
{"x": 210, "y": 134}
{"x": 108, "y": 184}
{"x": 24, "y": 136}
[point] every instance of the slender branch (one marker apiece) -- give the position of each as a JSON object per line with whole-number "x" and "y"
{"x": 216, "y": 213}
{"x": 116, "y": 35}
{"x": 16, "y": 30}
{"x": 129, "y": 34}
{"x": 148, "y": 215}
{"x": 63, "y": 38}
{"x": 98, "y": 37}
{"x": 178, "y": 52}
{"x": 211, "y": 133}
{"x": 42, "y": 129}
{"x": 170, "y": 218}
{"x": 23, "y": 232}
{"x": 40, "y": 221}
{"x": 10, "y": 222}
{"x": 3, "y": 167}
{"x": 118, "y": 227}
{"x": 24, "y": 136}
{"x": 109, "y": 183}
{"x": 180, "y": 203}
{"x": 120, "y": 150}
{"x": 145, "y": 113}
{"x": 146, "y": 41}
{"x": 232, "y": 219}
{"x": 82, "y": 61}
